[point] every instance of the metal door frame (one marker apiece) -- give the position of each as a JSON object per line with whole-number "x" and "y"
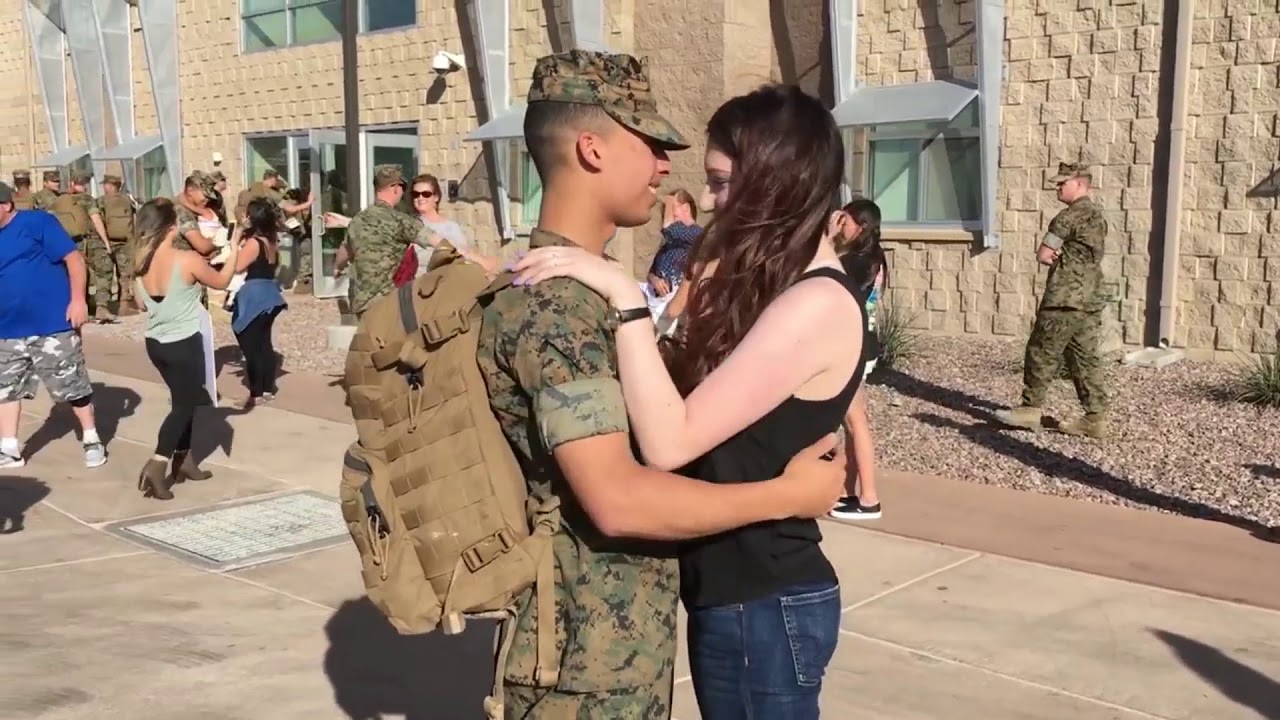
{"x": 323, "y": 286}
{"x": 372, "y": 140}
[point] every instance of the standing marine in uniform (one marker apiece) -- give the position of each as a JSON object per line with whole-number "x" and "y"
{"x": 81, "y": 217}
{"x": 1068, "y": 324}
{"x": 117, "y": 208}
{"x": 548, "y": 355}
{"x": 45, "y": 196}
{"x": 377, "y": 238}
{"x": 22, "y": 197}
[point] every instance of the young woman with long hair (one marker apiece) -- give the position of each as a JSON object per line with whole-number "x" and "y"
{"x": 856, "y": 229}
{"x": 170, "y": 283}
{"x": 259, "y": 299}
{"x": 756, "y": 376}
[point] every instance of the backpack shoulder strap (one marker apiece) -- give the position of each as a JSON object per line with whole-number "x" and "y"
{"x": 408, "y": 314}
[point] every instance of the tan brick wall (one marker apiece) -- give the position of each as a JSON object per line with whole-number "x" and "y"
{"x": 1229, "y": 269}
{"x": 22, "y": 122}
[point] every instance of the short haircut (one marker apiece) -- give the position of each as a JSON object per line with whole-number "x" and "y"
{"x": 548, "y": 126}
{"x": 685, "y": 198}
{"x": 193, "y": 182}
{"x": 269, "y": 174}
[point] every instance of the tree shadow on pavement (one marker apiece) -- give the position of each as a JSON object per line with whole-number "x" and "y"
{"x": 17, "y": 496}
{"x": 1056, "y": 464}
{"x": 376, "y": 671}
{"x": 110, "y": 405}
{"x": 1236, "y": 681}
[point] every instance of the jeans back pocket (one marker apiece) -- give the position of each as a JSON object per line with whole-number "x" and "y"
{"x": 813, "y": 628}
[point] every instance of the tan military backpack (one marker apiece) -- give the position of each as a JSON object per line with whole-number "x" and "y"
{"x": 71, "y": 214}
{"x": 23, "y": 201}
{"x": 432, "y": 493}
{"x": 117, "y": 215}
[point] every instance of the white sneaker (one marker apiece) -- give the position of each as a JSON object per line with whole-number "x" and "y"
{"x": 95, "y": 455}
{"x": 11, "y": 459}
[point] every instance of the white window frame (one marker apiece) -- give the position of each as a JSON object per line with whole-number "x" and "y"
{"x": 895, "y": 131}
{"x": 290, "y": 31}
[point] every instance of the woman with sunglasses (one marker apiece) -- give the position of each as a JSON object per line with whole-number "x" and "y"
{"x": 424, "y": 193}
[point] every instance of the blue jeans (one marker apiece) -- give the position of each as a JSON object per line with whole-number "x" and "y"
{"x": 764, "y": 660}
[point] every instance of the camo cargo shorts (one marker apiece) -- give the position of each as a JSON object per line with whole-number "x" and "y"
{"x": 55, "y": 360}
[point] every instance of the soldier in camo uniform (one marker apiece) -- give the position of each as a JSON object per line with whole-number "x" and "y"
{"x": 377, "y": 238}
{"x": 548, "y": 355}
{"x": 52, "y": 188}
{"x": 93, "y": 244}
{"x": 22, "y": 196}
{"x": 1068, "y": 324}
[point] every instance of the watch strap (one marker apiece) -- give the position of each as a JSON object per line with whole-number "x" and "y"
{"x": 623, "y": 317}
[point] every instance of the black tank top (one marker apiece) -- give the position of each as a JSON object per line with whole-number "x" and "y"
{"x": 763, "y": 559}
{"x": 261, "y": 267}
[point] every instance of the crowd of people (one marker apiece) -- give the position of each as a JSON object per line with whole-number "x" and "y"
{"x": 718, "y": 405}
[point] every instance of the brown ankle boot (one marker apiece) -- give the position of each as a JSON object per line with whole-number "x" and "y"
{"x": 185, "y": 468}
{"x": 152, "y": 481}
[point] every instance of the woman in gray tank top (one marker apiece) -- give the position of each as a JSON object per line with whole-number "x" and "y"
{"x": 169, "y": 284}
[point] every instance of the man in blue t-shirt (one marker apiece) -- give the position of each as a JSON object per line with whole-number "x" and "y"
{"x": 42, "y": 306}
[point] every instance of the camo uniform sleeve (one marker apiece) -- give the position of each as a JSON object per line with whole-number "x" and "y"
{"x": 564, "y": 359}
{"x": 90, "y": 205}
{"x": 1059, "y": 230}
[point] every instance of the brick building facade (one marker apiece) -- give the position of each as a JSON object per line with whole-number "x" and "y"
{"x": 1081, "y": 80}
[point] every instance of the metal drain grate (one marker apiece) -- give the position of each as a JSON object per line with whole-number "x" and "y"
{"x": 240, "y": 535}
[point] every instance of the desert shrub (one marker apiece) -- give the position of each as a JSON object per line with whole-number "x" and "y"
{"x": 899, "y": 341}
{"x": 1257, "y": 381}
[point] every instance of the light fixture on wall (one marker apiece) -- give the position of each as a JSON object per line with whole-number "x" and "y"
{"x": 217, "y": 159}
{"x": 447, "y": 62}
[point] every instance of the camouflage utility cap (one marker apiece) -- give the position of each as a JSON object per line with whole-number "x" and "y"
{"x": 52, "y": 176}
{"x": 112, "y": 180}
{"x": 81, "y": 179}
{"x": 1067, "y": 171}
{"x": 616, "y": 83}
{"x": 385, "y": 176}
{"x": 218, "y": 176}
{"x": 21, "y": 174}
{"x": 203, "y": 179}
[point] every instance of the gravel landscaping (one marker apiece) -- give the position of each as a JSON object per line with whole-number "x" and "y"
{"x": 1175, "y": 445}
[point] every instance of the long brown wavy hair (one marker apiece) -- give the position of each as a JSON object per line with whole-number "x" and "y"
{"x": 150, "y": 227}
{"x": 788, "y": 162}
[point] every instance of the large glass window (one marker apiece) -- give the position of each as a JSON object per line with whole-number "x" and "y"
{"x": 388, "y": 14}
{"x": 271, "y": 24}
{"x": 266, "y": 153}
{"x": 155, "y": 174}
{"x": 526, "y": 193}
{"x": 927, "y": 172}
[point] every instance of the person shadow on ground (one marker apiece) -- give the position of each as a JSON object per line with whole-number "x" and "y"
{"x": 17, "y": 496}
{"x": 1236, "y": 681}
{"x": 110, "y": 405}
{"x": 376, "y": 671}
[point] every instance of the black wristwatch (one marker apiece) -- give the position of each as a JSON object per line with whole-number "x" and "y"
{"x": 618, "y": 318}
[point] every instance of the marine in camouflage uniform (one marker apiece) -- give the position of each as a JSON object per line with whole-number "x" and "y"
{"x": 22, "y": 196}
{"x": 189, "y": 221}
{"x": 377, "y": 238}
{"x": 45, "y": 196}
{"x": 96, "y": 250}
{"x": 120, "y": 249}
{"x": 549, "y": 358}
{"x": 1068, "y": 324}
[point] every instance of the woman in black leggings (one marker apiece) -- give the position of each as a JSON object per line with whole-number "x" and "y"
{"x": 259, "y": 300}
{"x": 170, "y": 284}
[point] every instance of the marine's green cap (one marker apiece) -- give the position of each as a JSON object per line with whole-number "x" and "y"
{"x": 385, "y": 176}
{"x": 1067, "y": 171}
{"x": 52, "y": 176}
{"x": 81, "y": 179}
{"x": 616, "y": 83}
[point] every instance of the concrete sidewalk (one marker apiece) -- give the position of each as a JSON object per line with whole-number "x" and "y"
{"x": 98, "y": 626}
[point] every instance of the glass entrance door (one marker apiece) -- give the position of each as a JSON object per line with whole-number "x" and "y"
{"x": 390, "y": 147}
{"x": 328, "y": 171}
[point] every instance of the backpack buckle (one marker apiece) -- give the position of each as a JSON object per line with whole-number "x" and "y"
{"x": 446, "y": 326}
{"x": 487, "y": 550}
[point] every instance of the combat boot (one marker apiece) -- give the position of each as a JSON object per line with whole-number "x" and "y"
{"x": 1023, "y": 416}
{"x": 1092, "y": 425}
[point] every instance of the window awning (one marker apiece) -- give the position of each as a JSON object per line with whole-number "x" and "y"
{"x": 933, "y": 101}
{"x": 131, "y": 149}
{"x": 61, "y": 158}
{"x": 507, "y": 126}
